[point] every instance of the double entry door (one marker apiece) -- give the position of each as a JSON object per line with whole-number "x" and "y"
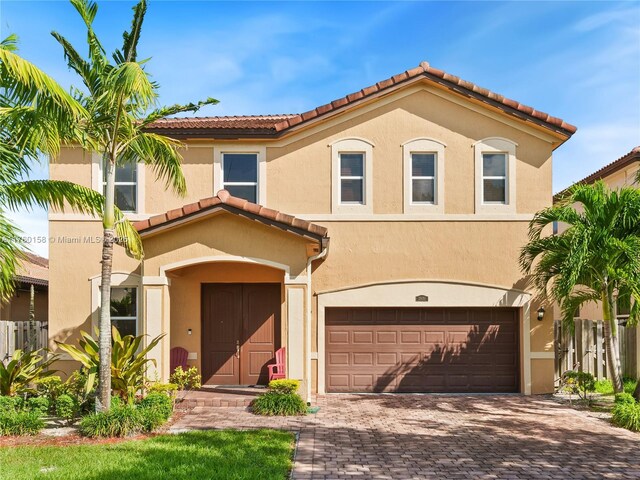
{"x": 240, "y": 332}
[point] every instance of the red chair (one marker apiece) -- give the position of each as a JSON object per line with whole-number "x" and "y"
{"x": 178, "y": 358}
{"x": 278, "y": 370}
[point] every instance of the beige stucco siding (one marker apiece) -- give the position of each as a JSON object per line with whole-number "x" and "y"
{"x": 74, "y": 165}
{"x": 299, "y": 174}
{"x": 371, "y": 252}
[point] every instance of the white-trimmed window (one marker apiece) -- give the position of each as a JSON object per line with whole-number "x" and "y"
{"x": 124, "y": 310}
{"x": 241, "y": 169}
{"x": 423, "y": 176}
{"x": 240, "y": 175}
{"x": 352, "y": 178}
{"x": 352, "y": 161}
{"x": 494, "y": 178}
{"x": 495, "y": 160}
{"x": 126, "y": 186}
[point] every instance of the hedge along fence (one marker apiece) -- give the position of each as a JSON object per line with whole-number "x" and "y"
{"x": 585, "y": 349}
{"x": 25, "y": 335}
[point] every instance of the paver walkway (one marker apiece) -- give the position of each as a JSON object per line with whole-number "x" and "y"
{"x": 444, "y": 437}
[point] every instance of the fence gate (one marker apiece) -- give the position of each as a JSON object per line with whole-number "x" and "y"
{"x": 585, "y": 349}
{"x": 21, "y": 336}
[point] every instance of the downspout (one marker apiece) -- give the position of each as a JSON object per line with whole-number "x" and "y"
{"x": 323, "y": 253}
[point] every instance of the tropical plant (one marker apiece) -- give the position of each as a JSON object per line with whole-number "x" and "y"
{"x": 23, "y": 370}
{"x": 36, "y": 116}
{"x": 186, "y": 380}
{"x": 66, "y": 407}
{"x": 596, "y": 259}
{"x": 119, "y": 105}
{"x": 128, "y": 364}
{"x": 281, "y": 399}
{"x": 626, "y": 415}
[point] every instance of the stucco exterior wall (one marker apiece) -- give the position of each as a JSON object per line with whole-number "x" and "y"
{"x": 483, "y": 249}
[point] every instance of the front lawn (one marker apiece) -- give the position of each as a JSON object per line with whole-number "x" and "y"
{"x": 219, "y": 454}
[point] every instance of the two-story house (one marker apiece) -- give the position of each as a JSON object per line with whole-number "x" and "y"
{"x": 375, "y": 237}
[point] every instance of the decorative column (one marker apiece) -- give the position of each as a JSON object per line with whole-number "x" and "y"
{"x": 156, "y": 314}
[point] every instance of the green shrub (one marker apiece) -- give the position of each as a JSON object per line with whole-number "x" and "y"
{"x": 627, "y": 415}
{"x": 150, "y": 419}
{"x": 284, "y": 386}
{"x": 38, "y": 404}
{"x": 50, "y": 387}
{"x": 579, "y": 383}
{"x": 169, "y": 389}
{"x": 158, "y": 401}
{"x": 188, "y": 380}
{"x": 274, "y": 403}
{"x": 66, "y": 407}
{"x": 10, "y": 403}
{"x": 625, "y": 398}
{"x": 20, "y": 422}
{"x": 605, "y": 386}
{"x": 119, "y": 421}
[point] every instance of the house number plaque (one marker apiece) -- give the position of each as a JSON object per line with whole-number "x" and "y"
{"x": 422, "y": 298}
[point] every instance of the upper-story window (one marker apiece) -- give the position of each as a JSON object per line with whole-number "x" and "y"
{"x": 423, "y": 176}
{"x": 240, "y": 175}
{"x": 241, "y": 169}
{"x": 126, "y": 186}
{"x": 352, "y": 164}
{"x": 352, "y": 179}
{"x": 494, "y": 178}
{"x": 495, "y": 160}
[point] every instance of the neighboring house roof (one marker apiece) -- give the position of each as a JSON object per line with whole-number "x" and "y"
{"x": 238, "y": 206}
{"x": 609, "y": 169}
{"x": 276, "y": 125}
{"x": 33, "y": 270}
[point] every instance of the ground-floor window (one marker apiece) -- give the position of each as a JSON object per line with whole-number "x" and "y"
{"x": 124, "y": 310}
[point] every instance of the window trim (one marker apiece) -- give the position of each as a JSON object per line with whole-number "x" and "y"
{"x": 495, "y": 145}
{"x": 424, "y": 145}
{"x": 351, "y": 145}
{"x": 218, "y": 169}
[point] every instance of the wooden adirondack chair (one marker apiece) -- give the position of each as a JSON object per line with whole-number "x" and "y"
{"x": 278, "y": 370}
{"x": 178, "y": 358}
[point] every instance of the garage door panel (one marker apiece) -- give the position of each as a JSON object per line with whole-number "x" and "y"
{"x": 422, "y": 350}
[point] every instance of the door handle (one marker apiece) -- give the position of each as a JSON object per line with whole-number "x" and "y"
{"x": 237, "y": 348}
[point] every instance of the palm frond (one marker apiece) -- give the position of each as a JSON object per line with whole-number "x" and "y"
{"x": 12, "y": 248}
{"x": 164, "y": 112}
{"x": 161, "y": 154}
{"x": 129, "y": 51}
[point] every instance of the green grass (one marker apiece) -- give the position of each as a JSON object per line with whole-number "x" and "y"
{"x": 220, "y": 454}
{"x": 606, "y": 388}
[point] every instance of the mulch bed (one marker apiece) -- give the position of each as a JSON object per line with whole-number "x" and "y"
{"x": 77, "y": 439}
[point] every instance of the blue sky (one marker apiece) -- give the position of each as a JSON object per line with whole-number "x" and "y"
{"x": 576, "y": 60}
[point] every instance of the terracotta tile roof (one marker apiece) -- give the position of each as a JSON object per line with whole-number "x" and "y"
{"x": 33, "y": 269}
{"x": 275, "y": 125}
{"x": 619, "y": 164}
{"x": 223, "y": 200}
{"x": 438, "y": 76}
{"x": 251, "y": 122}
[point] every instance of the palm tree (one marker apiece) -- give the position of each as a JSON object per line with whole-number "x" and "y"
{"x": 596, "y": 259}
{"x": 36, "y": 116}
{"x": 119, "y": 103}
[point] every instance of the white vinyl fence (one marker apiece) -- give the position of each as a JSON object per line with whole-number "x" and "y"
{"x": 21, "y": 335}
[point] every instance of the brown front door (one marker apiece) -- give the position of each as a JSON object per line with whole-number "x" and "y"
{"x": 422, "y": 350}
{"x": 240, "y": 332}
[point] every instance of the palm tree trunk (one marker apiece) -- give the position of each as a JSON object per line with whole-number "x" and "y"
{"x": 611, "y": 341}
{"x": 32, "y": 317}
{"x": 103, "y": 400}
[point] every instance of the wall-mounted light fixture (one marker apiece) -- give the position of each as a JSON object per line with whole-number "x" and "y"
{"x": 189, "y": 331}
{"x": 541, "y": 314}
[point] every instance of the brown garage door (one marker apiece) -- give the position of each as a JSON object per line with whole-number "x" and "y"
{"x": 421, "y": 350}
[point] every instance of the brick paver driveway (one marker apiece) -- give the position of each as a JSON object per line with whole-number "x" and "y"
{"x": 445, "y": 437}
